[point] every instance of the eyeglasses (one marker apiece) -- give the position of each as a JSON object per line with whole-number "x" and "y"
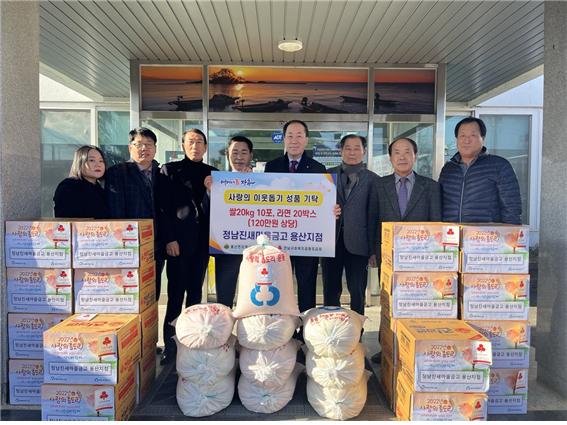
{"x": 140, "y": 146}
{"x": 194, "y": 142}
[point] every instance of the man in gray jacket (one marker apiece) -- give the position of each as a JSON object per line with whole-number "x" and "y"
{"x": 357, "y": 226}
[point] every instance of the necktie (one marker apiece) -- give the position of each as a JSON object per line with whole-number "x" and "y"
{"x": 403, "y": 196}
{"x": 293, "y": 166}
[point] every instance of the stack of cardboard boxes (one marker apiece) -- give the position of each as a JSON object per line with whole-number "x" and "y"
{"x": 112, "y": 284}
{"x": 39, "y": 295}
{"x": 114, "y": 272}
{"x": 495, "y": 301}
{"x": 419, "y": 281}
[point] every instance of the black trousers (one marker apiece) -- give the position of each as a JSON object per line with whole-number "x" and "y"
{"x": 305, "y": 269}
{"x": 227, "y": 267}
{"x": 160, "y": 263}
{"x": 356, "y": 276}
{"x": 185, "y": 274}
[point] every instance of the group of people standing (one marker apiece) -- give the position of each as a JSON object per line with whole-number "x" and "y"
{"x": 474, "y": 186}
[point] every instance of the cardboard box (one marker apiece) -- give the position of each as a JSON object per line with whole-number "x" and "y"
{"x": 146, "y": 375}
{"x": 64, "y": 402}
{"x": 508, "y": 391}
{"x": 25, "y": 378}
{"x": 388, "y": 377}
{"x": 495, "y": 248}
{"x": 495, "y": 297}
{"x": 416, "y": 406}
{"x": 420, "y": 246}
{"x": 439, "y": 355}
{"x": 114, "y": 290}
{"x": 91, "y": 348}
{"x": 38, "y": 244}
{"x": 150, "y": 333}
{"x": 112, "y": 244}
{"x": 429, "y": 295}
{"x": 39, "y": 290}
{"x": 510, "y": 342}
{"x": 25, "y": 333}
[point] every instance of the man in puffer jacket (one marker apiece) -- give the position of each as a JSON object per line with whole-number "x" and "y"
{"x": 478, "y": 187}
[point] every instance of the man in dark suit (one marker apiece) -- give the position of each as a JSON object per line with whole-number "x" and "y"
{"x": 405, "y": 195}
{"x": 131, "y": 188}
{"x": 295, "y": 160}
{"x": 185, "y": 218}
{"x": 357, "y": 226}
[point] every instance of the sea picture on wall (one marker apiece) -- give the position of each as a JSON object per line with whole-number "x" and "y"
{"x": 298, "y": 90}
{"x": 404, "y": 91}
{"x": 171, "y": 88}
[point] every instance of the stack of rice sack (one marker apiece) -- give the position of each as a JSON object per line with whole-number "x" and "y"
{"x": 267, "y": 317}
{"x": 114, "y": 272}
{"x": 444, "y": 368}
{"x": 205, "y": 359}
{"x": 39, "y": 295}
{"x": 495, "y": 289}
{"x": 337, "y": 382}
{"x": 419, "y": 280}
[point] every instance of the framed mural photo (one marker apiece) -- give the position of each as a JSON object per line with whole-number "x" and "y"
{"x": 404, "y": 91}
{"x": 283, "y": 89}
{"x": 171, "y": 88}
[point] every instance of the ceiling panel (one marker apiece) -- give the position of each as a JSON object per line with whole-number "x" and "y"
{"x": 484, "y": 43}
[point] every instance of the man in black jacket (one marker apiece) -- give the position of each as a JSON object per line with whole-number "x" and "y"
{"x": 478, "y": 187}
{"x": 185, "y": 223}
{"x": 295, "y": 160}
{"x": 131, "y": 188}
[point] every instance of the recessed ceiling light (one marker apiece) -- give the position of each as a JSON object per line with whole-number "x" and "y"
{"x": 290, "y": 45}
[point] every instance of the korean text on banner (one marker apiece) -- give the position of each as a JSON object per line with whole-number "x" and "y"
{"x": 294, "y": 210}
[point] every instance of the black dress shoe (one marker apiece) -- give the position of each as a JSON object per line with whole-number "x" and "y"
{"x": 159, "y": 350}
{"x": 377, "y": 358}
{"x": 167, "y": 357}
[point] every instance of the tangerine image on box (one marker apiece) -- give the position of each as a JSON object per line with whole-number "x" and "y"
{"x": 25, "y": 333}
{"x": 420, "y": 246}
{"x": 508, "y": 391}
{"x": 423, "y": 294}
{"x": 44, "y": 244}
{"x": 510, "y": 342}
{"x": 495, "y": 297}
{"x": 71, "y": 402}
{"x": 495, "y": 248}
{"x": 111, "y": 244}
{"x": 443, "y": 355}
{"x": 114, "y": 290}
{"x": 417, "y": 406}
{"x": 91, "y": 348}
{"x": 25, "y": 378}
{"x": 39, "y": 290}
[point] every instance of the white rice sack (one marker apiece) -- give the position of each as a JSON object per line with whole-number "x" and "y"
{"x": 205, "y": 366}
{"x": 265, "y": 331}
{"x": 271, "y": 368}
{"x": 338, "y": 404}
{"x": 204, "y": 326}
{"x": 332, "y": 331}
{"x": 265, "y": 283}
{"x": 336, "y": 372}
{"x": 261, "y": 399}
{"x": 198, "y": 400}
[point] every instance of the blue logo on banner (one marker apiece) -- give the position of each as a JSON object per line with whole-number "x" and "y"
{"x": 277, "y": 137}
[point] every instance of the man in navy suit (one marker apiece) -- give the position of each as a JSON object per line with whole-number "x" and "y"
{"x": 131, "y": 188}
{"x": 404, "y": 195}
{"x": 295, "y": 160}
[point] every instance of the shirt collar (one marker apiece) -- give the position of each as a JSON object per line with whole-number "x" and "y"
{"x": 410, "y": 177}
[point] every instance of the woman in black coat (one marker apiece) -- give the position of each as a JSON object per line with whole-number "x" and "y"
{"x": 81, "y": 195}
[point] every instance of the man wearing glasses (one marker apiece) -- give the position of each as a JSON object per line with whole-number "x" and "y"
{"x": 131, "y": 188}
